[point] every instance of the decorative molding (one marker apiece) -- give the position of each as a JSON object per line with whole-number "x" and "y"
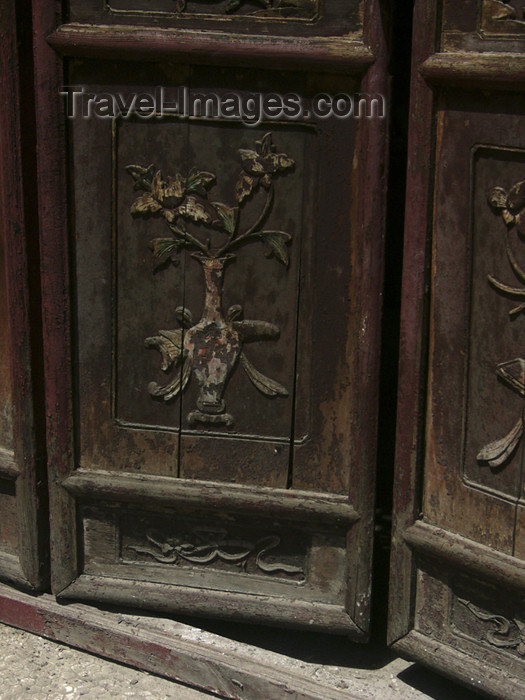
{"x": 511, "y": 207}
{"x": 501, "y": 632}
{"x": 334, "y": 53}
{"x": 305, "y": 506}
{"x": 211, "y": 349}
{"x": 462, "y": 554}
{"x": 494, "y": 70}
{"x": 206, "y": 546}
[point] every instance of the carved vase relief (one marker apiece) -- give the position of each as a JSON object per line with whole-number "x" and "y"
{"x": 211, "y": 349}
{"x": 503, "y": 16}
{"x": 511, "y": 207}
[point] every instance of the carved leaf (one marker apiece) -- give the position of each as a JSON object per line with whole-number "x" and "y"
{"x": 143, "y": 176}
{"x": 169, "y": 344}
{"x": 228, "y": 216}
{"x": 266, "y": 385}
{"x": 496, "y": 453}
{"x": 164, "y": 248}
{"x": 199, "y": 181}
{"x": 265, "y": 145}
{"x": 176, "y": 386}
{"x": 277, "y": 242}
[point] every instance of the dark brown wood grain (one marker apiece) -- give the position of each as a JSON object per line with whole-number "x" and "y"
{"x": 22, "y": 430}
{"x": 457, "y": 552}
{"x": 413, "y": 331}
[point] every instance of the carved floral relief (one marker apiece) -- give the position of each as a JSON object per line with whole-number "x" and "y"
{"x": 511, "y": 207}
{"x": 210, "y": 349}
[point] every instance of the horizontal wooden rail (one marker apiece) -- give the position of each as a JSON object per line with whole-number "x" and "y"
{"x": 339, "y": 54}
{"x": 139, "y": 488}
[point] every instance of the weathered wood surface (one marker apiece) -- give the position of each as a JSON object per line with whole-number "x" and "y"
{"x": 497, "y": 71}
{"x": 55, "y": 266}
{"x": 23, "y": 512}
{"x": 171, "y": 649}
{"x": 488, "y": 679}
{"x": 456, "y": 575}
{"x": 313, "y": 444}
{"x": 413, "y": 332}
{"x": 332, "y": 509}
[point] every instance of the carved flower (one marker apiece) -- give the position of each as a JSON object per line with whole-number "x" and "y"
{"x": 174, "y": 197}
{"x": 510, "y": 204}
{"x": 261, "y": 166}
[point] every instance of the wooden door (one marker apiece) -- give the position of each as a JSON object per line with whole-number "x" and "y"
{"x": 24, "y": 559}
{"x": 457, "y": 584}
{"x": 211, "y": 307}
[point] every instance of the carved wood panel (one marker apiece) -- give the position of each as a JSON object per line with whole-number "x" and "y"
{"x": 224, "y": 331}
{"x": 457, "y": 575}
{"x": 263, "y": 17}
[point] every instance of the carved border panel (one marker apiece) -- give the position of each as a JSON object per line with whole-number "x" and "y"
{"x": 264, "y": 18}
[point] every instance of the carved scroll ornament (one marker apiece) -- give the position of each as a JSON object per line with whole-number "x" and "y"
{"x": 502, "y": 633}
{"x": 211, "y": 349}
{"x": 511, "y": 206}
{"x": 204, "y": 546}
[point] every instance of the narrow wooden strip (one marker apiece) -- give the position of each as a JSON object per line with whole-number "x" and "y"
{"x": 8, "y": 466}
{"x": 165, "y": 647}
{"x": 54, "y": 234}
{"x": 256, "y": 609}
{"x": 413, "y": 336}
{"x": 141, "y": 488}
{"x": 458, "y": 666}
{"x": 498, "y": 71}
{"x": 135, "y": 43}
{"x": 461, "y": 553}
{"x": 20, "y": 220}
